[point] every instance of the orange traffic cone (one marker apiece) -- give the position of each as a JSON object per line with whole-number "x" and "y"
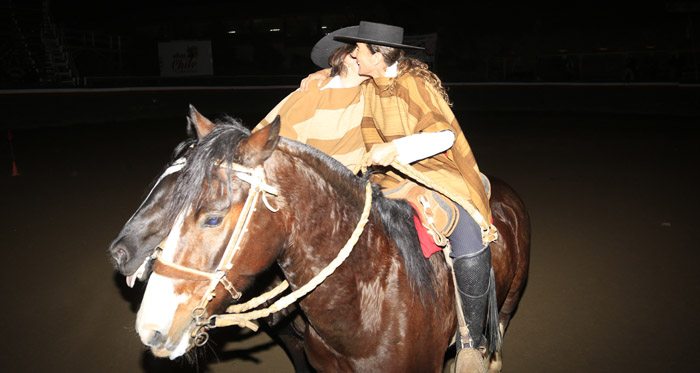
{"x": 15, "y": 170}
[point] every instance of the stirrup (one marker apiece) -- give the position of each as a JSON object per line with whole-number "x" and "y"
{"x": 469, "y": 360}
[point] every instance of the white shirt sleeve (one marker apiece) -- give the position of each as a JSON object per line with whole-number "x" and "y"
{"x": 423, "y": 145}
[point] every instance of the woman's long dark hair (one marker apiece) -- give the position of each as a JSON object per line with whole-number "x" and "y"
{"x": 408, "y": 65}
{"x": 337, "y": 58}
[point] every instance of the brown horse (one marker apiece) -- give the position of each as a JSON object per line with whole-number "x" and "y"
{"x": 252, "y": 201}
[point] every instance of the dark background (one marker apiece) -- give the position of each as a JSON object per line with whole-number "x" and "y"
{"x": 103, "y": 43}
{"x": 603, "y": 152}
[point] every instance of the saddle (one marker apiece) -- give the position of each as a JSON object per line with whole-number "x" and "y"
{"x": 437, "y": 214}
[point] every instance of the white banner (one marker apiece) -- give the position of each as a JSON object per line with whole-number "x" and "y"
{"x": 185, "y": 58}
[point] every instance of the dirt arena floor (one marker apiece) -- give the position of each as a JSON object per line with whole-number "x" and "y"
{"x": 613, "y": 283}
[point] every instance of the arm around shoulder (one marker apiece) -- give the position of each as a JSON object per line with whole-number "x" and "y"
{"x": 318, "y": 77}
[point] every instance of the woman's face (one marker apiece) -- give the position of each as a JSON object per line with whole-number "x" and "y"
{"x": 368, "y": 63}
{"x": 350, "y": 74}
{"x": 351, "y": 65}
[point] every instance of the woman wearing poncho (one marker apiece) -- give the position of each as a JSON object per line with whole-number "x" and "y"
{"x": 407, "y": 118}
{"x": 327, "y": 116}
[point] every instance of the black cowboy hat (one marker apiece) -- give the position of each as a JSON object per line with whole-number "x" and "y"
{"x": 326, "y": 46}
{"x": 378, "y": 34}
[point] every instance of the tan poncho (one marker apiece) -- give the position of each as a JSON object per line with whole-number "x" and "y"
{"x": 327, "y": 119}
{"x": 415, "y": 106}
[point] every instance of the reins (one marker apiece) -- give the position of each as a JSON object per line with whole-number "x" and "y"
{"x": 236, "y": 314}
{"x": 233, "y": 317}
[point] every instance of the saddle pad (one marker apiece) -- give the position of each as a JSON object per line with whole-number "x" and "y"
{"x": 427, "y": 244}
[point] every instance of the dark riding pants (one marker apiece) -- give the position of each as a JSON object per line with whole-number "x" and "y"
{"x": 466, "y": 237}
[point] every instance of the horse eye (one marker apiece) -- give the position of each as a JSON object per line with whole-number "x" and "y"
{"x": 212, "y": 221}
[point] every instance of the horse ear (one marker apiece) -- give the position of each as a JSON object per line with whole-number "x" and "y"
{"x": 258, "y": 147}
{"x": 201, "y": 124}
{"x": 190, "y": 128}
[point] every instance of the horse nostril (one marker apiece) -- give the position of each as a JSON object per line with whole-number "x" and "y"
{"x": 151, "y": 335}
{"x": 120, "y": 255}
{"x": 156, "y": 338}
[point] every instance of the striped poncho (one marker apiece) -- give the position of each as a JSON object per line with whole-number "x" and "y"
{"x": 327, "y": 119}
{"x": 414, "y": 106}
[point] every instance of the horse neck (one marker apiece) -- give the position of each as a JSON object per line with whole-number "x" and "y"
{"x": 322, "y": 211}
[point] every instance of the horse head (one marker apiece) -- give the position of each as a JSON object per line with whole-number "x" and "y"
{"x": 131, "y": 250}
{"x": 217, "y": 194}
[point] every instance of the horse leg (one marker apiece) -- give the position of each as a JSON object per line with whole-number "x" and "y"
{"x": 289, "y": 334}
{"x": 294, "y": 347}
{"x": 286, "y": 327}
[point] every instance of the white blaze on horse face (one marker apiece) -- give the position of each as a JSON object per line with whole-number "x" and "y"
{"x": 155, "y": 317}
{"x": 171, "y": 243}
{"x": 175, "y": 167}
{"x": 157, "y": 312}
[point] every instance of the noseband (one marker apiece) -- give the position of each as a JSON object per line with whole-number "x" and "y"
{"x": 258, "y": 187}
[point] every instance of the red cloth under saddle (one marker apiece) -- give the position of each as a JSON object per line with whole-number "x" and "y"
{"x": 427, "y": 243}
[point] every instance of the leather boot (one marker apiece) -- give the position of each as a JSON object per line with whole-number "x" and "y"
{"x": 473, "y": 275}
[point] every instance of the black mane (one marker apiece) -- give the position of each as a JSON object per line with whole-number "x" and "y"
{"x": 217, "y": 146}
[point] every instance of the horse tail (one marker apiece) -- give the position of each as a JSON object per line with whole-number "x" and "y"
{"x": 493, "y": 331}
{"x": 397, "y": 217}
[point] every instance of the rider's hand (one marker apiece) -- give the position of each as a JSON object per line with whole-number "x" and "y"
{"x": 383, "y": 154}
{"x": 318, "y": 76}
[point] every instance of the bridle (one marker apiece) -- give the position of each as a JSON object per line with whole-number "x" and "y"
{"x": 258, "y": 187}
{"x": 236, "y": 314}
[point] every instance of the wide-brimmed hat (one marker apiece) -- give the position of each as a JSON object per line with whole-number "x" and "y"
{"x": 378, "y": 34}
{"x": 326, "y": 46}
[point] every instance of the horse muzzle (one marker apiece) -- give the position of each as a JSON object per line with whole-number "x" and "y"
{"x": 161, "y": 346}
